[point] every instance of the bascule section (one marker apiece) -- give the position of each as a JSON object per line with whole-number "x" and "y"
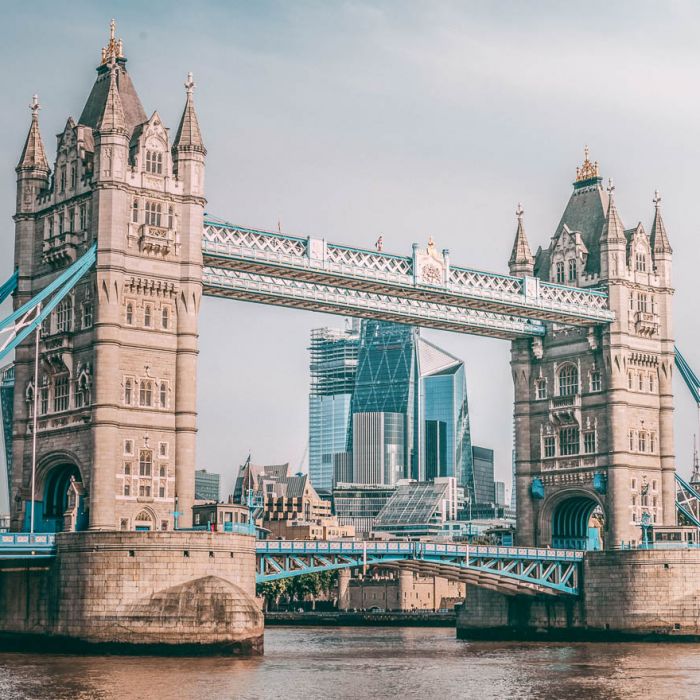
{"x": 113, "y": 382}
{"x": 593, "y": 406}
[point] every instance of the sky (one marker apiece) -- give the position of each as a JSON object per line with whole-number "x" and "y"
{"x": 347, "y": 120}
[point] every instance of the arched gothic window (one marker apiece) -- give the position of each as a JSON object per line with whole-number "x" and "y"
{"x": 64, "y": 315}
{"x": 128, "y": 392}
{"x": 568, "y": 380}
{"x": 641, "y": 262}
{"x": 572, "y": 270}
{"x": 541, "y": 389}
{"x": 135, "y": 211}
{"x": 163, "y": 394}
{"x": 146, "y": 393}
{"x": 153, "y": 211}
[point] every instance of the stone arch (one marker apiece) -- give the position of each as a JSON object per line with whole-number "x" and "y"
{"x": 145, "y": 519}
{"x": 565, "y": 518}
{"x": 54, "y": 477}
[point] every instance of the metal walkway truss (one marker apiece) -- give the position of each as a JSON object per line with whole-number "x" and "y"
{"x": 509, "y": 570}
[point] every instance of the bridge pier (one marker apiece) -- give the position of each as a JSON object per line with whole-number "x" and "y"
{"x": 638, "y": 594}
{"x": 157, "y": 592}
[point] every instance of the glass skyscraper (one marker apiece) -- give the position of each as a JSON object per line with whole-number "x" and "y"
{"x": 333, "y": 367}
{"x": 409, "y": 410}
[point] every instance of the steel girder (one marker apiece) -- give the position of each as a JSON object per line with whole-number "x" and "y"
{"x": 687, "y": 501}
{"x": 264, "y": 289}
{"x": 509, "y": 570}
{"x": 226, "y": 245}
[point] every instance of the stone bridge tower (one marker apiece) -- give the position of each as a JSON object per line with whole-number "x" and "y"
{"x": 116, "y": 404}
{"x": 594, "y": 407}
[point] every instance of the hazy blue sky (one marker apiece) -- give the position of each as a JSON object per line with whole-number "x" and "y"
{"x": 347, "y": 119}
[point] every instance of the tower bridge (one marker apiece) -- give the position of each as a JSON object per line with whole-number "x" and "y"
{"x": 113, "y": 253}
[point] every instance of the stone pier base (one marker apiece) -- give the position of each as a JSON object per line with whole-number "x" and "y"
{"x": 625, "y": 595}
{"x": 155, "y": 592}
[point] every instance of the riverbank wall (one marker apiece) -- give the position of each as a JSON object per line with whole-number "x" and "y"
{"x": 636, "y": 595}
{"x": 154, "y": 592}
{"x": 361, "y": 619}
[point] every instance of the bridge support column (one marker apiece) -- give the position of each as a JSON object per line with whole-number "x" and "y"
{"x": 344, "y": 589}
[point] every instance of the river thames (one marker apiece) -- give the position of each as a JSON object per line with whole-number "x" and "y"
{"x": 368, "y": 662}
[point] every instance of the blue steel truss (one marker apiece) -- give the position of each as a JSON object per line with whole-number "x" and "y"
{"x": 510, "y": 570}
{"x": 687, "y": 501}
{"x": 314, "y": 261}
{"x": 19, "y": 324}
{"x": 9, "y": 286}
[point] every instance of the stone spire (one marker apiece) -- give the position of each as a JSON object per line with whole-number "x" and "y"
{"x": 613, "y": 230}
{"x": 33, "y": 154}
{"x": 659, "y": 238}
{"x": 112, "y": 119}
{"x": 114, "y": 48}
{"x": 189, "y": 137}
{"x": 521, "y": 260}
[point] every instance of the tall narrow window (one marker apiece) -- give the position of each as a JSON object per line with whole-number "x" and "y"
{"x": 61, "y": 223}
{"x": 82, "y": 392}
{"x": 147, "y": 315}
{"x": 145, "y": 462}
{"x": 60, "y": 393}
{"x": 641, "y": 381}
{"x": 651, "y": 382}
{"x": 83, "y": 217}
{"x": 550, "y": 447}
{"x": 560, "y": 273}
{"x": 87, "y": 314}
{"x": 73, "y": 176}
{"x": 541, "y": 389}
{"x": 64, "y": 316}
{"x": 128, "y": 392}
{"x": 127, "y": 489}
{"x": 171, "y": 217}
{"x": 589, "y": 442}
{"x": 135, "y": 211}
{"x": 569, "y": 441}
{"x": 630, "y": 383}
{"x": 154, "y": 162}
{"x": 62, "y": 179}
{"x": 572, "y": 270}
{"x": 652, "y": 442}
{"x": 146, "y": 393}
{"x": 153, "y": 213}
{"x": 641, "y": 262}
{"x": 568, "y": 380}
{"x": 163, "y": 394}
{"x": 44, "y": 398}
{"x": 596, "y": 382}
{"x": 129, "y": 314}
{"x": 71, "y": 219}
{"x": 642, "y": 441}
{"x": 632, "y": 442}
{"x": 166, "y": 317}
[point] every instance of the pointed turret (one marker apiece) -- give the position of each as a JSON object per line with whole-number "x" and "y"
{"x": 521, "y": 261}
{"x": 613, "y": 230}
{"x": 659, "y": 237}
{"x": 33, "y": 154}
{"x": 695, "y": 476}
{"x": 189, "y": 137}
{"x": 112, "y": 119}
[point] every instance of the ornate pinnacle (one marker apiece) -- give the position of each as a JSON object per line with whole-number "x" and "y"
{"x": 190, "y": 84}
{"x": 114, "y": 48}
{"x": 519, "y": 212}
{"x": 611, "y": 187}
{"x": 588, "y": 170}
{"x": 657, "y": 199}
{"x": 35, "y": 106}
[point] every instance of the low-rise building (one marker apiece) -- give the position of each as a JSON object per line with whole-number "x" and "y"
{"x": 397, "y": 590}
{"x": 419, "y": 509}
{"x": 359, "y": 505}
{"x": 321, "y": 529}
{"x": 220, "y": 516}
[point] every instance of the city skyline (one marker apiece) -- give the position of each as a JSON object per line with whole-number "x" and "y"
{"x": 459, "y": 180}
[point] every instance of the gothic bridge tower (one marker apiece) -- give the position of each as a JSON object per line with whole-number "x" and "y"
{"x": 117, "y": 363}
{"x": 594, "y": 407}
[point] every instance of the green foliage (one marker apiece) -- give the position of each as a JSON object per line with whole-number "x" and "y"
{"x": 298, "y": 587}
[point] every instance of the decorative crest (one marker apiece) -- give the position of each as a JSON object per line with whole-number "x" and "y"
{"x": 587, "y": 171}
{"x": 114, "y": 48}
{"x": 190, "y": 84}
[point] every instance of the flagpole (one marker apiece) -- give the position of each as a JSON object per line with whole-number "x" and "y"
{"x": 34, "y": 426}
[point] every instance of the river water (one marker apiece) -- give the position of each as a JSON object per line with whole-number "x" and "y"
{"x": 368, "y": 663}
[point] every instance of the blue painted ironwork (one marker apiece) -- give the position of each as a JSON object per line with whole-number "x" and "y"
{"x": 9, "y": 286}
{"x": 22, "y": 545}
{"x": 520, "y": 570}
{"x": 30, "y": 315}
{"x": 315, "y": 261}
{"x": 687, "y": 501}
{"x": 689, "y": 377}
{"x": 537, "y": 488}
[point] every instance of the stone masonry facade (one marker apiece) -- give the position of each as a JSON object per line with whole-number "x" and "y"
{"x": 117, "y": 375}
{"x": 594, "y": 406}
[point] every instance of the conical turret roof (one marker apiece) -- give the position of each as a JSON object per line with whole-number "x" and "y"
{"x": 521, "y": 254}
{"x": 112, "y": 118}
{"x": 189, "y": 136}
{"x": 659, "y": 238}
{"x": 33, "y": 153}
{"x": 613, "y": 230}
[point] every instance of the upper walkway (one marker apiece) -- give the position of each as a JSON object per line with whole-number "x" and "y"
{"x": 274, "y": 268}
